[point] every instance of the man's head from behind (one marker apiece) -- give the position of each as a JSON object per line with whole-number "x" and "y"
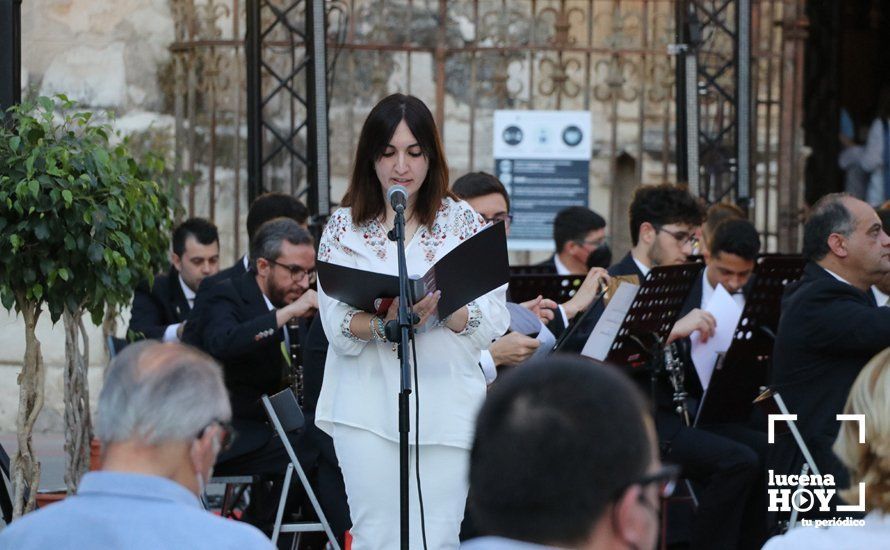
{"x": 844, "y": 235}
{"x": 163, "y": 410}
{"x": 269, "y": 206}
{"x": 486, "y": 195}
{"x": 195, "y": 251}
{"x": 283, "y": 255}
{"x": 663, "y": 221}
{"x": 560, "y": 450}
{"x": 734, "y": 247}
{"x": 579, "y": 234}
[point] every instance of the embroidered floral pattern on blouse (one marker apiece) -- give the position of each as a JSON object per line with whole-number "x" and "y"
{"x": 466, "y": 224}
{"x": 375, "y": 238}
{"x": 336, "y": 228}
{"x": 432, "y": 239}
{"x": 474, "y": 320}
{"x": 344, "y": 327}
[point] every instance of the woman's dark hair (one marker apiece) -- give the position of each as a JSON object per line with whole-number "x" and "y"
{"x": 365, "y": 192}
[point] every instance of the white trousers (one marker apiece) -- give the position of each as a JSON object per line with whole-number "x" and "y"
{"x": 370, "y": 466}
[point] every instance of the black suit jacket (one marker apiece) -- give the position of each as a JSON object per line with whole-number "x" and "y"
{"x": 155, "y": 308}
{"x": 193, "y": 332}
{"x": 242, "y": 333}
{"x": 627, "y": 266}
{"x": 827, "y": 332}
{"x": 549, "y": 262}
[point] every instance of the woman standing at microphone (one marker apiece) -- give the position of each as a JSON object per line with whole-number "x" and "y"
{"x": 399, "y": 145}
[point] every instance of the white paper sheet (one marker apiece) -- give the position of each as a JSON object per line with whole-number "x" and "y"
{"x": 600, "y": 341}
{"x": 704, "y": 355}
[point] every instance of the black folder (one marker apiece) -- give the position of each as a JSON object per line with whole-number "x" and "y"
{"x": 475, "y": 267}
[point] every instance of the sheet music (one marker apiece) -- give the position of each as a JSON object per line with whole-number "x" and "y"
{"x": 704, "y": 355}
{"x": 606, "y": 329}
{"x": 526, "y": 322}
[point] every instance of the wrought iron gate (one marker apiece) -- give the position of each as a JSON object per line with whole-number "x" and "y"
{"x": 468, "y": 58}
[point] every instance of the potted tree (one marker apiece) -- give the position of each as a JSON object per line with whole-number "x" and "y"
{"x": 81, "y": 221}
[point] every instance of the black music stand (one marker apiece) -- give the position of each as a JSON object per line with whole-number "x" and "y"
{"x": 741, "y": 373}
{"x": 559, "y": 288}
{"x": 537, "y": 269}
{"x": 652, "y": 314}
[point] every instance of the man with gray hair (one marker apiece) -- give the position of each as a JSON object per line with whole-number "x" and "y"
{"x": 830, "y": 326}
{"x": 244, "y": 327}
{"x": 163, "y": 416}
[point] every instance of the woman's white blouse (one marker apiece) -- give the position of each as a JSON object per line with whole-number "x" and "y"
{"x": 361, "y": 380}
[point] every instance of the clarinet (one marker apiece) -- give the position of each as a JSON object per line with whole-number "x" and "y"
{"x": 674, "y": 368}
{"x": 296, "y": 359}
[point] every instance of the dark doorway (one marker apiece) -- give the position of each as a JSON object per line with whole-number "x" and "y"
{"x": 846, "y": 66}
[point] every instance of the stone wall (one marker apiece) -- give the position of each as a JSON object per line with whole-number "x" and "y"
{"x": 105, "y": 55}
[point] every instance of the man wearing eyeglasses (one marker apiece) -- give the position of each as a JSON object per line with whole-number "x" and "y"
{"x": 162, "y": 418}
{"x": 244, "y": 328}
{"x": 565, "y": 456}
{"x": 488, "y": 196}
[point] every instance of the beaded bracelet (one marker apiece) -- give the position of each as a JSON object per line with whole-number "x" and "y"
{"x": 377, "y": 328}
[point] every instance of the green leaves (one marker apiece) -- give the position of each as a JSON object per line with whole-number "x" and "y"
{"x": 81, "y": 221}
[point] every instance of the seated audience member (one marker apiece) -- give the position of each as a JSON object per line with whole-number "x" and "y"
{"x": 579, "y": 234}
{"x": 715, "y": 215}
{"x": 488, "y": 196}
{"x": 867, "y": 463}
{"x": 161, "y": 311}
{"x": 162, "y": 418}
{"x": 830, "y": 326}
{"x": 564, "y": 456}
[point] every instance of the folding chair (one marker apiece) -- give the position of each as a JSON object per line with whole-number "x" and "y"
{"x": 285, "y": 414}
{"x": 235, "y": 487}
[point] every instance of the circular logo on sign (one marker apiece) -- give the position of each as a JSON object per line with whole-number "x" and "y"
{"x": 572, "y": 136}
{"x": 512, "y": 135}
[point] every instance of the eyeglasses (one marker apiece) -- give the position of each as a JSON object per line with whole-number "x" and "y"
{"x": 666, "y": 477}
{"x": 682, "y": 237}
{"x": 227, "y": 433}
{"x": 297, "y": 273}
{"x": 506, "y": 218}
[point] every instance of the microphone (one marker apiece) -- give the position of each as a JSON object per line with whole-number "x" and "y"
{"x": 398, "y": 197}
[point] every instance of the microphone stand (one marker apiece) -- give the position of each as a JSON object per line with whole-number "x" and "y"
{"x": 401, "y": 331}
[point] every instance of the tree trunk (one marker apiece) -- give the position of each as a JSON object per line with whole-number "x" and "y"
{"x": 26, "y": 469}
{"x": 78, "y": 427}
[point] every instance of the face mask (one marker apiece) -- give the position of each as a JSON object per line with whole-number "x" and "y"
{"x": 600, "y": 257}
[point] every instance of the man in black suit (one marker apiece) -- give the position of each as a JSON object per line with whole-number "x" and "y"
{"x": 488, "y": 196}
{"x": 663, "y": 222}
{"x": 245, "y": 325}
{"x": 267, "y": 206}
{"x": 159, "y": 312}
{"x": 579, "y": 234}
{"x": 830, "y": 326}
{"x": 244, "y": 328}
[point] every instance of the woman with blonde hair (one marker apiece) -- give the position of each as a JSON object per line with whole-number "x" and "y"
{"x": 868, "y": 464}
